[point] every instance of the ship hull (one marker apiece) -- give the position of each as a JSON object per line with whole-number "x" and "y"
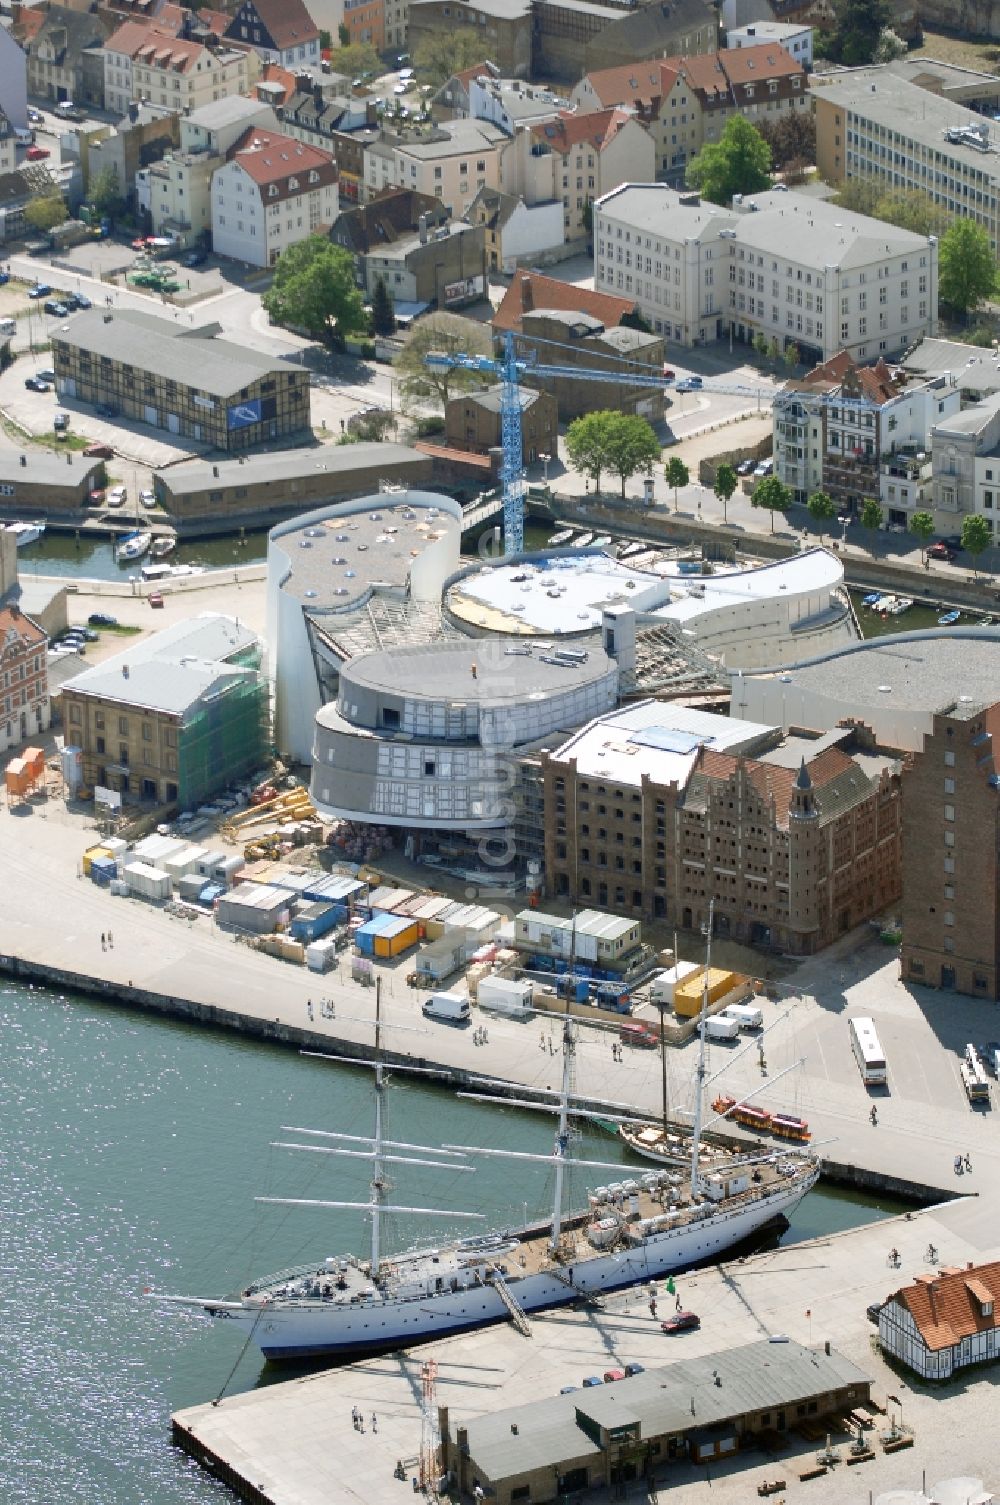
{"x": 306, "y": 1329}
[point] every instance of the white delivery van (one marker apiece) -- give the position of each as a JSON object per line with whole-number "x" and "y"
{"x": 747, "y": 1015}
{"x": 718, "y": 1027}
{"x": 503, "y": 995}
{"x": 450, "y": 1008}
{"x": 8, "y": 326}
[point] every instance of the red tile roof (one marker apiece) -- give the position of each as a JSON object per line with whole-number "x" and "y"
{"x": 154, "y": 48}
{"x": 947, "y": 1307}
{"x": 273, "y": 160}
{"x": 874, "y": 382}
{"x": 288, "y": 22}
{"x": 713, "y": 74}
{"x": 632, "y": 82}
{"x": 466, "y": 75}
{"x": 28, "y": 24}
{"x": 773, "y": 781}
{"x": 273, "y": 73}
{"x": 531, "y": 290}
{"x": 573, "y": 128}
{"x": 12, "y": 619}
{"x": 215, "y": 20}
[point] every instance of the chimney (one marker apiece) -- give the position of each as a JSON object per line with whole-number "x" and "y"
{"x": 133, "y": 110}
{"x": 527, "y": 296}
{"x": 422, "y": 226}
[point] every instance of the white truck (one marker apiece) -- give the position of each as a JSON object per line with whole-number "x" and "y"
{"x": 504, "y": 995}
{"x": 747, "y": 1015}
{"x": 450, "y": 1008}
{"x": 718, "y": 1027}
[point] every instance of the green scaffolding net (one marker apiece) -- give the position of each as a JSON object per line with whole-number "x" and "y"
{"x": 225, "y": 737}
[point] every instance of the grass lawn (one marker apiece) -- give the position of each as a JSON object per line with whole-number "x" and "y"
{"x": 964, "y": 52}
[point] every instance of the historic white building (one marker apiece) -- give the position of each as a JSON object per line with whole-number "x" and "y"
{"x": 273, "y": 192}
{"x": 793, "y": 269}
{"x": 944, "y": 1321}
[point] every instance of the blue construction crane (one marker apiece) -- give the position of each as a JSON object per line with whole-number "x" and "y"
{"x": 509, "y": 367}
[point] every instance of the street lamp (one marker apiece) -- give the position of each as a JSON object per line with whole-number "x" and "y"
{"x": 545, "y": 462}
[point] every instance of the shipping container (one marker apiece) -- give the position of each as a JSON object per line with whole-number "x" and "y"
{"x": 314, "y": 921}
{"x": 385, "y": 899}
{"x": 103, "y": 869}
{"x": 333, "y": 888}
{"x": 321, "y": 955}
{"x": 229, "y": 869}
{"x": 440, "y": 959}
{"x": 147, "y": 882}
{"x": 183, "y": 862}
{"x": 255, "y": 907}
{"x": 688, "y": 994}
{"x": 34, "y": 758}
{"x": 90, "y": 854}
{"x": 661, "y": 989}
{"x": 17, "y": 776}
{"x": 157, "y": 850}
{"x": 395, "y": 938}
{"x": 189, "y": 887}
{"x": 504, "y": 995}
{"x": 116, "y": 846}
{"x": 721, "y": 1028}
{"x": 208, "y": 862}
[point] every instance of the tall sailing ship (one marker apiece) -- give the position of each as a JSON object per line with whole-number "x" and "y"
{"x": 632, "y": 1231}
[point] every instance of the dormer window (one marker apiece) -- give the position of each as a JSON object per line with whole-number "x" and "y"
{"x": 293, "y": 184}
{"x": 313, "y": 175}
{"x": 272, "y": 192}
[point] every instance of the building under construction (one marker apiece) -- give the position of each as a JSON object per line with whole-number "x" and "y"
{"x": 176, "y": 717}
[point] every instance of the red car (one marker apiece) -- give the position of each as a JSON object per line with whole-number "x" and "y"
{"x": 96, "y": 498}
{"x": 610, "y": 1375}
{"x": 681, "y": 1322}
{"x": 36, "y": 153}
{"x": 156, "y": 599}
{"x": 99, "y": 452}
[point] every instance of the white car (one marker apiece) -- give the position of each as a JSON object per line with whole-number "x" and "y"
{"x": 147, "y": 498}
{"x": 117, "y": 496}
{"x": 405, "y": 73}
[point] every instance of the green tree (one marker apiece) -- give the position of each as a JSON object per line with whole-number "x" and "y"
{"x": 889, "y": 48}
{"x": 442, "y": 334}
{"x": 772, "y": 494}
{"x": 909, "y": 208}
{"x": 587, "y": 446}
{"x": 354, "y": 59}
{"x": 739, "y": 162}
{"x": 726, "y": 482}
{"x": 792, "y": 355}
{"x": 632, "y": 446}
{"x": 383, "y": 317}
{"x": 314, "y": 289}
{"x": 821, "y": 508}
{"x": 859, "y": 25}
{"x": 440, "y": 54}
{"x": 344, "y": 35}
{"x": 966, "y": 268}
{"x": 922, "y": 528}
{"x": 760, "y": 344}
{"x": 104, "y": 191}
{"x": 792, "y": 138}
{"x": 977, "y": 535}
{"x": 677, "y": 475}
{"x": 45, "y": 211}
{"x": 872, "y": 518}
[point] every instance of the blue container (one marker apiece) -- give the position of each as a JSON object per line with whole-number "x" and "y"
{"x": 103, "y": 869}
{"x": 315, "y": 921}
{"x": 211, "y": 892}
{"x": 364, "y": 937}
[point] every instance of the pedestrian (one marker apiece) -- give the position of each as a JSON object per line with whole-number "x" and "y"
{"x": 111, "y": 941}
{"x": 873, "y": 1115}
{"x": 677, "y": 1303}
{"x": 309, "y": 1009}
{"x": 968, "y": 1162}
{"x": 354, "y": 1417}
{"x": 959, "y": 1167}
{"x": 374, "y": 1422}
{"x": 652, "y": 1306}
{"x": 104, "y": 943}
{"x": 551, "y": 1047}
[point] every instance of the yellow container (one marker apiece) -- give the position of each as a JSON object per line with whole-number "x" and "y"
{"x": 688, "y": 994}
{"x": 89, "y": 856}
{"x": 395, "y": 945}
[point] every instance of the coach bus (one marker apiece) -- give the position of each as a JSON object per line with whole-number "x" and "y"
{"x": 868, "y": 1053}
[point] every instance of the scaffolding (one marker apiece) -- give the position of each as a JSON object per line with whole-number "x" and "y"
{"x": 430, "y": 1433}
{"x": 226, "y": 736}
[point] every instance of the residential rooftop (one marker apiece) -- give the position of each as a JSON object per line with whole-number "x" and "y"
{"x": 195, "y": 476}
{"x": 174, "y": 669}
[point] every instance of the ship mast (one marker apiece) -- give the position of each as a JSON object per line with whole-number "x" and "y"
{"x": 378, "y": 1161}
{"x": 562, "y": 1133}
{"x": 699, "y": 1080}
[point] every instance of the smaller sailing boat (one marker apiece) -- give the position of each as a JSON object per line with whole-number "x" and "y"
{"x": 133, "y": 546}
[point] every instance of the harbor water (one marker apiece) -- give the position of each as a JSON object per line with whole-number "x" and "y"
{"x": 134, "y": 1149}
{"x": 88, "y": 556}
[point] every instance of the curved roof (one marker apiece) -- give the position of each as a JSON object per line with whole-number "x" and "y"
{"x": 485, "y": 671}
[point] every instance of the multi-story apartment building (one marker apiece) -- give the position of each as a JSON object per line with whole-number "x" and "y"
{"x": 141, "y": 62}
{"x": 504, "y": 27}
{"x": 796, "y": 270}
{"x": 179, "y": 186}
{"x": 856, "y": 432}
{"x": 281, "y": 31}
{"x": 965, "y": 457}
{"x": 685, "y": 102}
{"x": 951, "y": 837}
{"x": 272, "y": 193}
{"x": 410, "y": 241}
{"x": 179, "y": 378}
{"x": 57, "y": 41}
{"x": 174, "y": 718}
{"x": 452, "y": 163}
{"x": 793, "y": 37}
{"x": 24, "y": 684}
{"x": 573, "y": 160}
{"x": 656, "y": 810}
{"x": 472, "y": 421}
{"x": 873, "y": 123}
{"x": 573, "y": 37}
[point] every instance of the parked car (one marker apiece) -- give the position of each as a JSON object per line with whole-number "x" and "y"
{"x": 97, "y": 497}
{"x": 35, "y": 117}
{"x": 631, "y": 1369}
{"x": 147, "y": 498}
{"x": 77, "y": 300}
{"x": 118, "y": 496}
{"x": 872, "y": 1311}
{"x": 610, "y": 1375}
{"x": 104, "y": 411}
{"x": 40, "y": 290}
{"x": 36, "y": 153}
{"x": 195, "y": 259}
{"x": 941, "y": 551}
{"x": 745, "y": 468}
{"x": 56, "y": 308}
{"x": 101, "y": 619}
{"x": 46, "y": 374}
{"x": 60, "y": 423}
{"x": 90, "y": 635}
{"x": 681, "y": 1322}
{"x": 591, "y": 1381}
{"x": 4, "y": 278}
{"x": 99, "y": 452}
{"x": 35, "y": 384}
{"x": 569, "y": 1390}
{"x": 953, "y": 540}
{"x": 156, "y": 599}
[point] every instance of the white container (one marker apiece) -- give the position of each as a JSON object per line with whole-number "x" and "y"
{"x": 147, "y": 882}
{"x": 321, "y": 955}
{"x": 504, "y": 996}
{"x": 118, "y": 887}
{"x": 208, "y": 862}
{"x": 115, "y": 846}
{"x": 661, "y": 989}
{"x": 227, "y": 870}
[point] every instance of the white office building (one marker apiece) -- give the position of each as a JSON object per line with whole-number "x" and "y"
{"x": 797, "y": 270}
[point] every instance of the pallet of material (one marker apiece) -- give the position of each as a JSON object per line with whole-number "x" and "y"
{"x": 770, "y": 1488}
{"x": 864, "y": 1457}
{"x": 897, "y": 1444}
{"x": 812, "y": 1473}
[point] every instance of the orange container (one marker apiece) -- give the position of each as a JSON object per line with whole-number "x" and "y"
{"x": 35, "y": 759}
{"x": 17, "y": 776}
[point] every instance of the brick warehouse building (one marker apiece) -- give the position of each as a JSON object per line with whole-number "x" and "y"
{"x": 655, "y": 810}
{"x": 951, "y": 838}
{"x": 24, "y": 683}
